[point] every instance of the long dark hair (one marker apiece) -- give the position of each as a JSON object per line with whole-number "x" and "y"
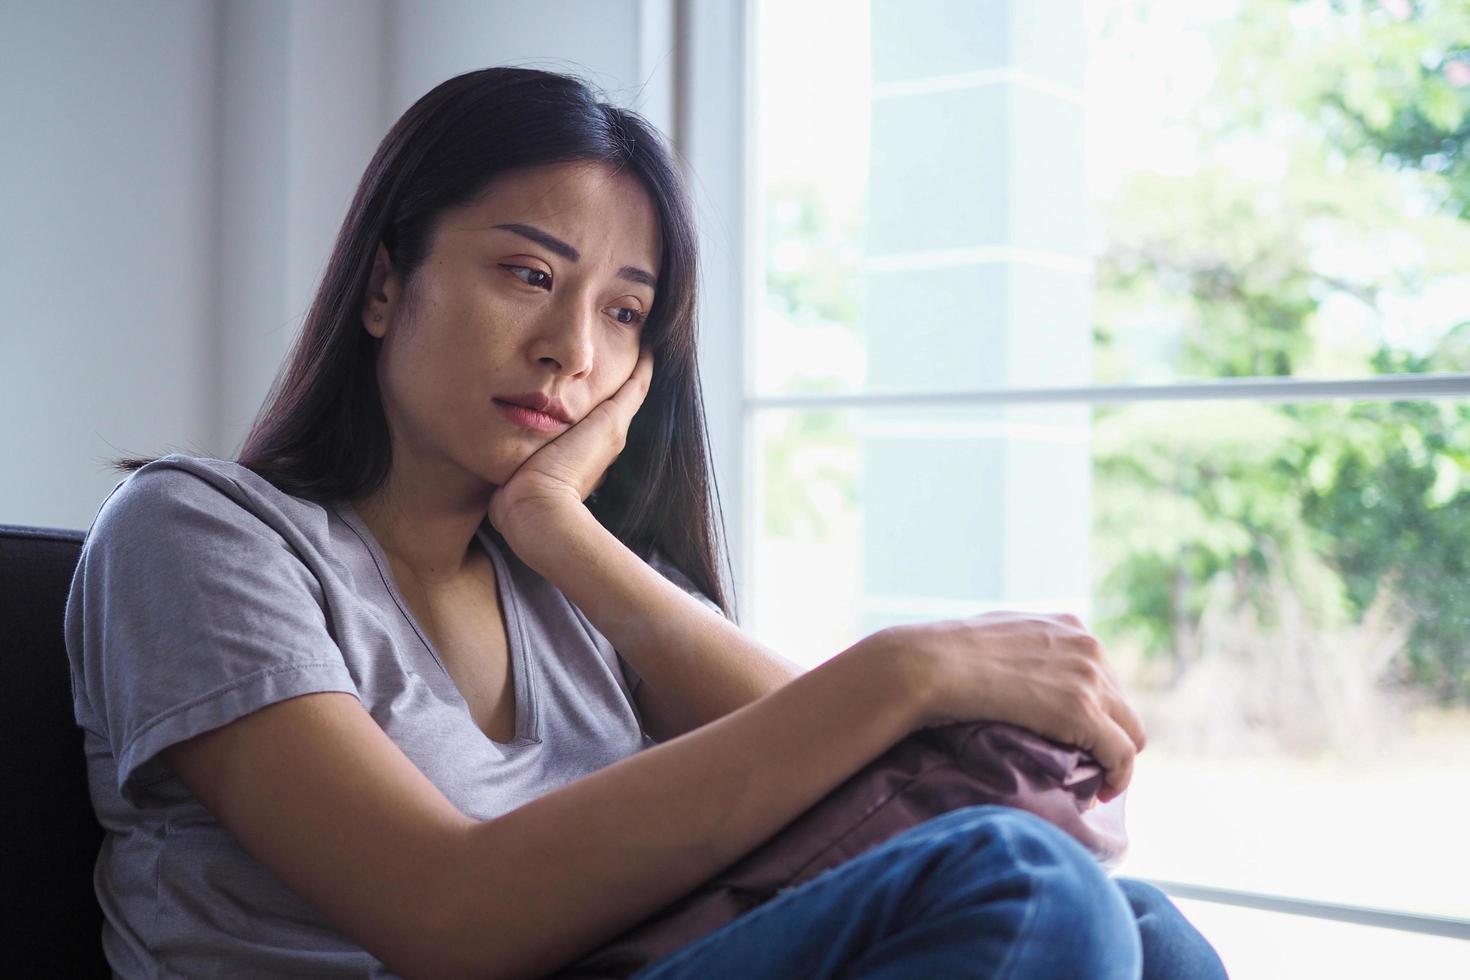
{"x": 322, "y": 434}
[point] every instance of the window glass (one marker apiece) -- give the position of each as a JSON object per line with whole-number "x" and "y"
{"x": 1149, "y": 192}
{"x": 1280, "y": 587}
{"x": 961, "y": 196}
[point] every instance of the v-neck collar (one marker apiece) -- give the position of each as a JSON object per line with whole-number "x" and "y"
{"x": 527, "y": 721}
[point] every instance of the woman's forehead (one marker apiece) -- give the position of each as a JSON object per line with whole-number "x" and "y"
{"x": 602, "y": 213}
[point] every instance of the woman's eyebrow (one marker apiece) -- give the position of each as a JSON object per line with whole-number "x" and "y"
{"x": 570, "y": 253}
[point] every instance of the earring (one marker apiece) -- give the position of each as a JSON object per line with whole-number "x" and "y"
{"x": 377, "y": 318}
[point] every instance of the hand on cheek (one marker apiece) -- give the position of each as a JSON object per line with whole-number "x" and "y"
{"x": 565, "y": 471}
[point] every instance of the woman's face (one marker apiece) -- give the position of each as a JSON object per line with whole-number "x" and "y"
{"x": 539, "y": 286}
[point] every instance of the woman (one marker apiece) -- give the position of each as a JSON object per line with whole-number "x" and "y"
{"x": 423, "y": 682}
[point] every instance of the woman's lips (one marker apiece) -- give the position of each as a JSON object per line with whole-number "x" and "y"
{"x": 530, "y": 418}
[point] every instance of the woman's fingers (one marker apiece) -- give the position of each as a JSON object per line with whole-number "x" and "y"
{"x": 629, "y": 398}
{"x": 1121, "y": 711}
{"x": 1042, "y": 672}
{"x": 1127, "y": 719}
{"x": 583, "y": 454}
{"x": 1109, "y": 692}
{"x": 1114, "y": 751}
{"x": 643, "y": 370}
{"x": 618, "y": 411}
{"x": 577, "y": 461}
{"x": 1118, "y": 731}
{"x": 616, "y": 416}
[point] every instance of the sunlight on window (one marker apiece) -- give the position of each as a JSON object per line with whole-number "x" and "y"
{"x": 1267, "y": 189}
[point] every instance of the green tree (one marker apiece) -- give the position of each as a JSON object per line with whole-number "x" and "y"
{"x": 1370, "y": 103}
{"x": 809, "y": 458}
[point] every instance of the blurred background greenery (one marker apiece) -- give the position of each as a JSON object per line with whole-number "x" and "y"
{"x": 1340, "y": 503}
{"x": 1302, "y": 567}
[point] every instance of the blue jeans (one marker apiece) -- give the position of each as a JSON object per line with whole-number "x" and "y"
{"x": 983, "y": 891}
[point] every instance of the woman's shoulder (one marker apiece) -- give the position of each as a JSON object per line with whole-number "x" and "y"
{"x": 195, "y": 494}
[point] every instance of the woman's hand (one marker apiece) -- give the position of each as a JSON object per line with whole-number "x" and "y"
{"x": 1041, "y": 672}
{"x": 565, "y": 471}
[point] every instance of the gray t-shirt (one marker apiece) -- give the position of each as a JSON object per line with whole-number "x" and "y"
{"x": 203, "y": 594}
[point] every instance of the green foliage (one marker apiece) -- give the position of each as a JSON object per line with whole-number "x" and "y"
{"x": 809, "y": 473}
{"x": 1395, "y": 505}
{"x": 809, "y": 459}
{"x": 821, "y": 282}
{"x": 1224, "y": 260}
{"x": 1405, "y": 93}
{"x": 1238, "y": 270}
{"x": 1352, "y": 498}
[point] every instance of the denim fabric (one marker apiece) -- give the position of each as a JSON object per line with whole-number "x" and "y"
{"x": 1172, "y": 948}
{"x": 984, "y": 891}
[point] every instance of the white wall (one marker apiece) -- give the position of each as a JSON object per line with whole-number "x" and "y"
{"x": 106, "y": 256}
{"x": 301, "y": 110}
{"x": 600, "y": 40}
{"x": 174, "y": 176}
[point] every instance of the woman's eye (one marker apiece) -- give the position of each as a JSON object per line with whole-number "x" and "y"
{"x": 629, "y": 316}
{"x": 531, "y": 277}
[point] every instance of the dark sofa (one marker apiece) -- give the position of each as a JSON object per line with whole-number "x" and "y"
{"x": 53, "y": 923}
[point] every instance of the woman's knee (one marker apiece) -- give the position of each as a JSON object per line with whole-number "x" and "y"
{"x": 1172, "y": 946}
{"x": 1146, "y": 899}
{"x": 1029, "y": 840}
{"x": 1061, "y": 897}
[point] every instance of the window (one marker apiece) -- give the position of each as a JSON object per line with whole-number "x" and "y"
{"x": 1159, "y": 313}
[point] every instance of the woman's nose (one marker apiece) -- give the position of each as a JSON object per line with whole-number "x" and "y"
{"x": 565, "y": 340}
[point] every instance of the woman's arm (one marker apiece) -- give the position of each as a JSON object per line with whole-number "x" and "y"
{"x": 696, "y": 665}
{"x": 314, "y": 790}
{"x": 741, "y": 671}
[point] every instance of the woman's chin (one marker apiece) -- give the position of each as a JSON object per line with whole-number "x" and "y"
{"x": 503, "y": 463}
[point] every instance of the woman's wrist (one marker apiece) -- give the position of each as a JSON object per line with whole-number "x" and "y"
{"x": 541, "y": 535}
{"x": 899, "y": 668}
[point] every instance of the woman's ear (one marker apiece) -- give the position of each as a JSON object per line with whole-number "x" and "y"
{"x": 382, "y": 294}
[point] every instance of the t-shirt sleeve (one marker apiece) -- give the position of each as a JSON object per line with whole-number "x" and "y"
{"x": 669, "y": 571}
{"x": 188, "y": 611}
